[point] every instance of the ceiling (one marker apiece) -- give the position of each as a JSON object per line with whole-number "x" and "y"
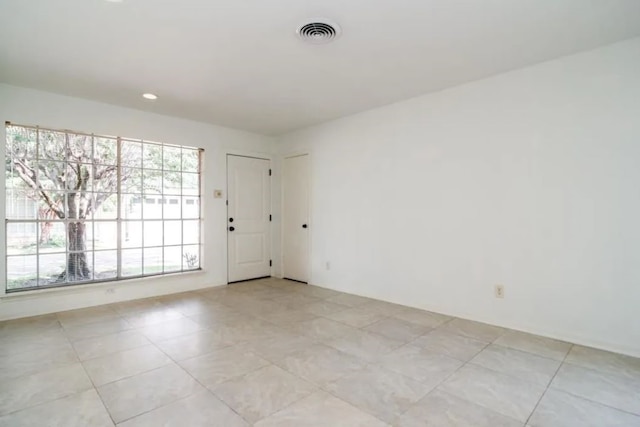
{"x": 238, "y": 63}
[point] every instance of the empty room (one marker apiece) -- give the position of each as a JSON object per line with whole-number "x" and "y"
{"x": 411, "y": 213}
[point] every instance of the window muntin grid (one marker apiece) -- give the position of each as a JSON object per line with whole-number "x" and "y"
{"x": 116, "y": 245}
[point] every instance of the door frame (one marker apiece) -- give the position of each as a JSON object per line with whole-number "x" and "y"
{"x": 253, "y": 155}
{"x": 310, "y": 206}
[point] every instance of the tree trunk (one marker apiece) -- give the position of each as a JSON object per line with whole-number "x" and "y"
{"x": 77, "y": 265}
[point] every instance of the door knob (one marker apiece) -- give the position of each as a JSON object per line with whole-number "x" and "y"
{"x": 232, "y": 228}
{"x": 230, "y": 219}
{"x": 304, "y": 226}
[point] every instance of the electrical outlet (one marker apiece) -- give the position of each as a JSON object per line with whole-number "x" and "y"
{"x": 111, "y": 291}
{"x": 498, "y": 291}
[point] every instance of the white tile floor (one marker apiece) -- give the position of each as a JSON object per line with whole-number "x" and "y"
{"x": 273, "y": 353}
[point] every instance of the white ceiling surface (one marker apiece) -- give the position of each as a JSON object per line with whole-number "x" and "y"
{"x": 238, "y": 63}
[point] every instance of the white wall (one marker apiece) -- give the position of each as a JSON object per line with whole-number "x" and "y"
{"x": 26, "y": 106}
{"x": 530, "y": 179}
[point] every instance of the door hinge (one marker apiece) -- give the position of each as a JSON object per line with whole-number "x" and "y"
{"x": 269, "y": 172}
{"x": 227, "y": 203}
{"x": 270, "y": 218}
{"x": 270, "y": 263}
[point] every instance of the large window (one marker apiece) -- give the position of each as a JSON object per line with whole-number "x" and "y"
{"x": 87, "y": 208}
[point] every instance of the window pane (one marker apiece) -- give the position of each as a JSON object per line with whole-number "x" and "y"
{"x": 131, "y": 154}
{"x": 52, "y": 145}
{"x": 131, "y": 206}
{"x": 191, "y": 232}
{"x": 53, "y": 237}
{"x": 80, "y": 148}
{"x": 105, "y": 178}
{"x": 79, "y": 236}
{"x": 172, "y": 258}
{"x": 106, "y": 264}
{"x": 152, "y": 181}
{"x": 191, "y": 257}
{"x": 51, "y": 174}
{"x": 131, "y": 262}
{"x": 106, "y": 151}
{"x": 22, "y": 238}
{"x": 21, "y": 272}
{"x": 105, "y": 235}
{"x": 152, "y": 208}
{"x": 152, "y": 260}
{"x": 190, "y": 160}
{"x": 131, "y": 234}
{"x": 152, "y": 233}
{"x": 171, "y": 157}
{"x": 172, "y": 233}
{"x": 52, "y": 268}
{"x": 106, "y": 205}
{"x": 190, "y": 184}
{"x": 131, "y": 180}
{"x": 172, "y": 183}
{"x": 78, "y": 177}
{"x": 21, "y": 142}
{"x": 152, "y": 156}
{"x": 172, "y": 209}
{"x": 191, "y": 207}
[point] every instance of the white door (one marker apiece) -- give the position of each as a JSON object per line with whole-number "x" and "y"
{"x": 295, "y": 218}
{"x": 248, "y": 218}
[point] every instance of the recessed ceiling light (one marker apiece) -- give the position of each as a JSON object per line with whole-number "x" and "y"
{"x": 150, "y": 96}
{"x": 114, "y": 1}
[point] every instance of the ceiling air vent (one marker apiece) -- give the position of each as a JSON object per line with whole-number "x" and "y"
{"x": 318, "y": 32}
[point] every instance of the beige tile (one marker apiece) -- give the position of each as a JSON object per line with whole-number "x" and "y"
{"x": 152, "y": 317}
{"x": 476, "y": 330}
{"x": 440, "y": 409}
{"x": 90, "y": 330}
{"x": 519, "y": 364}
{"x": 17, "y": 327}
{"x": 398, "y": 329}
{"x": 226, "y": 315}
{"x": 535, "y": 344}
{"x": 262, "y": 392}
{"x": 357, "y": 317}
{"x": 84, "y": 316}
{"x": 91, "y": 348}
{"x": 37, "y": 341}
{"x": 379, "y": 392}
{"x": 83, "y": 409}
{"x": 322, "y": 329}
{"x": 170, "y": 329}
{"x": 296, "y": 300}
{"x": 275, "y": 347}
{"x": 222, "y": 365}
{"x": 23, "y": 392}
{"x": 317, "y": 291}
{"x": 117, "y": 366}
{"x": 422, "y": 317}
{"x": 320, "y": 410}
{"x": 202, "y": 409}
{"x": 619, "y": 392}
{"x": 364, "y": 345}
{"x": 17, "y": 365}
{"x": 133, "y": 396}
{"x": 452, "y": 345}
{"x": 287, "y": 318}
{"x": 605, "y": 361}
{"x": 320, "y": 364}
{"x": 385, "y": 308}
{"x": 499, "y": 392}
{"x": 192, "y": 345}
{"x": 422, "y": 365}
{"x": 350, "y": 300}
{"x": 559, "y": 409}
{"x": 323, "y": 307}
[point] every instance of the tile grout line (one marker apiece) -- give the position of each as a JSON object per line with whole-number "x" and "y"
{"x": 548, "y": 385}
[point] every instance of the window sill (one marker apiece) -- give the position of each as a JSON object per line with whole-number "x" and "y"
{"x": 98, "y": 285}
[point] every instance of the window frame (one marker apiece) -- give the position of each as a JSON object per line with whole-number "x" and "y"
{"x": 119, "y": 194}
